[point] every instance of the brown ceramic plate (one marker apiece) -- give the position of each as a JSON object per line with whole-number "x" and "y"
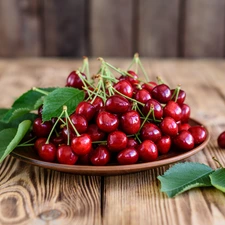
{"x": 29, "y": 155}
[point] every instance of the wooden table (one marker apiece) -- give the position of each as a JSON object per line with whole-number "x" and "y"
{"x": 33, "y": 195}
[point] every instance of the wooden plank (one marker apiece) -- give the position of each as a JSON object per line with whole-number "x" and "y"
{"x": 65, "y": 28}
{"x": 111, "y": 28}
{"x": 158, "y": 28}
{"x": 20, "y": 28}
{"x": 204, "y": 28}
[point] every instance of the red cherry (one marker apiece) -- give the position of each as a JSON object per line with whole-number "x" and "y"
{"x": 65, "y": 155}
{"x": 116, "y": 141}
{"x": 142, "y": 95}
{"x": 81, "y": 145}
{"x": 150, "y": 132}
{"x": 130, "y": 122}
{"x": 221, "y": 140}
{"x": 42, "y": 129}
{"x": 39, "y": 142}
{"x": 117, "y": 104}
{"x": 164, "y": 144}
{"x": 169, "y": 126}
{"x": 181, "y": 96}
{"x": 95, "y": 133}
{"x": 73, "y": 80}
{"x": 133, "y": 78}
{"x": 149, "y": 86}
{"x": 124, "y": 87}
{"x": 127, "y": 156}
{"x": 97, "y": 103}
{"x": 86, "y": 110}
{"x": 67, "y": 132}
{"x": 47, "y": 152}
{"x": 57, "y": 140}
{"x": 161, "y": 93}
{"x": 100, "y": 156}
{"x": 172, "y": 109}
{"x": 84, "y": 159}
{"x": 185, "y": 115}
{"x": 148, "y": 151}
{"x": 199, "y": 134}
{"x": 158, "y": 111}
{"x": 183, "y": 126}
{"x": 184, "y": 141}
{"x": 107, "y": 122}
{"x": 132, "y": 143}
{"x": 79, "y": 122}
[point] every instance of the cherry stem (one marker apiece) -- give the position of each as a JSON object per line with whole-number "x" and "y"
{"x": 40, "y": 91}
{"x": 98, "y": 90}
{"x": 216, "y": 160}
{"x": 83, "y": 81}
{"x": 24, "y": 145}
{"x": 86, "y": 63}
{"x": 139, "y": 140}
{"x": 159, "y": 79}
{"x": 99, "y": 142}
{"x": 177, "y": 92}
{"x": 27, "y": 143}
{"x": 68, "y": 135}
{"x": 146, "y": 118}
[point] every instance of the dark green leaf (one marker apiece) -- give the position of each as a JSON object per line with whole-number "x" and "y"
{"x": 184, "y": 176}
{"x": 11, "y": 137}
{"x": 54, "y": 102}
{"x": 218, "y": 179}
{"x": 3, "y": 112}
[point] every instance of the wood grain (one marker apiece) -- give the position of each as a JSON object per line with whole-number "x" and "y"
{"x": 204, "y": 28}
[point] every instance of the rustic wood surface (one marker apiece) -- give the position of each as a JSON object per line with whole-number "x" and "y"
{"x": 33, "y": 195}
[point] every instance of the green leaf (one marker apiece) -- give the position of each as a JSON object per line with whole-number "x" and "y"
{"x": 11, "y": 137}
{"x": 54, "y": 102}
{"x": 184, "y": 176}
{"x": 218, "y": 179}
{"x": 3, "y": 112}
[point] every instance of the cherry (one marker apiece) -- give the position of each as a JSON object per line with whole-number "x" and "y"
{"x": 169, "y": 126}
{"x": 97, "y": 103}
{"x": 161, "y": 93}
{"x": 221, "y": 140}
{"x": 81, "y": 145}
{"x": 42, "y": 129}
{"x": 130, "y": 122}
{"x": 79, "y": 122}
{"x": 148, "y": 151}
{"x": 199, "y": 134}
{"x": 95, "y": 133}
{"x": 150, "y": 132}
{"x": 117, "y": 104}
{"x": 132, "y": 143}
{"x": 142, "y": 95}
{"x": 73, "y": 80}
{"x": 84, "y": 159}
{"x": 86, "y": 109}
{"x": 133, "y": 79}
{"x": 116, "y": 141}
{"x": 164, "y": 144}
{"x": 58, "y": 140}
{"x": 47, "y": 152}
{"x": 65, "y": 155}
{"x": 39, "y": 142}
{"x": 183, "y": 126}
{"x": 100, "y": 156}
{"x": 149, "y": 86}
{"x": 181, "y": 96}
{"x": 185, "y": 115}
{"x": 172, "y": 109}
{"x": 158, "y": 111}
{"x": 127, "y": 156}
{"x": 184, "y": 141}
{"x": 124, "y": 87}
{"x": 66, "y": 132}
{"x": 107, "y": 122}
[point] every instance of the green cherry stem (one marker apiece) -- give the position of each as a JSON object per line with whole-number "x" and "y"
{"x": 216, "y": 160}
{"x": 146, "y": 118}
{"x": 86, "y": 63}
{"x": 40, "y": 91}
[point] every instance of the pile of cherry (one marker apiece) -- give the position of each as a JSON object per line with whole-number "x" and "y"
{"x": 121, "y": 121}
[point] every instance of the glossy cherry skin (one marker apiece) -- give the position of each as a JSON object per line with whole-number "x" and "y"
{"x": 124, "y": 87}
{"x": 79, "y": 122}
{"x": 158, "y": 110}
{"x": 97, "y": 103}
{"x": 183, "y": 126}
{"x": 221, "y": 140}
{"x": 100, "y": 156}
{"x": 57, "y": 140}
{"x": 199, "y": 134}
{"x": 169, "y": 126}
{"x": 181, "y": 96}
{"x": 148, "y": 151}
{"x": 133, "y": 78}
{"x": 86, "y": 110}
{"x": 132, "y": 143}
{"x": 73, "y": 80}
{"x": 116, "y": 141}
{"x": 150, "y": 132}
{"x": 95, "y": 133}
{"x": 127, "y": 156}
{"x": 65, "y": 155}
{"x": 164, "y": 144}
{"x": 185, "y": 114}
{"x": 41, "y": 129}
{"x": 67, "y": 133}
{"x": 107, "y": 122}
{"x": 172, "y": 109}
{"x": 184, "y": 141}
{"x": 81, "y": 145}
{"x": 39, "y": 142}
{"x": 149, "y": 86}
{"x": 161, "y": 93}
{"x": 117, "y": 104}
{"x": 130, "y": 122}
{"x": 47, "y": 152}
{"x": 142, "y": 95}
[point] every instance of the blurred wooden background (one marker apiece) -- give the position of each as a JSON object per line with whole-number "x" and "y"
{"x": 73, "y": 28}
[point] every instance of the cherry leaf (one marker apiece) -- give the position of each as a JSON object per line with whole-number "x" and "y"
{"x": 218, "y": 179}
{"x": 54, "y": 102}
{"x": 184, "y": 176}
